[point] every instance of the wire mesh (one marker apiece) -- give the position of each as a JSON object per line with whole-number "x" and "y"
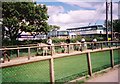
{"x": 33, "y": 52}
{"x": 69, "y": 68}
{"x": 33, "y": 72}
{"x": 0, "y": 76}
{"x": 23, "y": 52}
{"x": 13, "y": 53}
{"x": 59, "y": 49}
{"x": 0, "y": 68}
{"x": 116, "y": 56}
{"x": 66, "y": 68}
{"x": 100, "y": 60}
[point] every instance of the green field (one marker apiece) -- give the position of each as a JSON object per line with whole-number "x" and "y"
{"x": 116, "y": 56}
{"x": 100, "y": 60}
{"x": 66, "y": 69}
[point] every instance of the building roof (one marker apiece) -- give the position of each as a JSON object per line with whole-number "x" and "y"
{"x": 85, "y": 27}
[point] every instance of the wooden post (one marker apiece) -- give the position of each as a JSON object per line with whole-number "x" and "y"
{"x": 18, "y": 52}
{"x": 101, "y": 45}
{"x": 89, "y": 64}
{"x": 116, "y": 44}
{"x": 68, "y": 46}
{"x": 37, "y": 49}
{"x": 51, "y": 50}
{"x": 92, "y": 45}
{"x": 28, "y": 53}
{"x": 109, "y": 44}
{"x": 52, "y": 77}
{"x": 111, "y": 58}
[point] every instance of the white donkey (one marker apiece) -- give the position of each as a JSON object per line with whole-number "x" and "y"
{"x": 45, "y": 48}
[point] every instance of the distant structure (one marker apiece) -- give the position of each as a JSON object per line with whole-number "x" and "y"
{"x": 119, "y": 10}
{"x": 89, "y": 30}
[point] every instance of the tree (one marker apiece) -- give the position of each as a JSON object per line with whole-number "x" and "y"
{"x": 54, "y": 27}
{"x": 23, "y": 16}
{"x": 116, "y": 25}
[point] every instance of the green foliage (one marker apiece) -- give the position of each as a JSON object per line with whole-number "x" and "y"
{"x": 116, "y": 25}
{"x": 7, "y": 42}
{"x": 23, "y": 16}
{"x": 57, "y": 40}
{"x": 54, "y": 27}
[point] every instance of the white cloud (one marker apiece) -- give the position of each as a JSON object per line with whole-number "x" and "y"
{"x": 55, "y": 9}
{"x": 86, "y": 0}
{"x": 81, "y": 4}
{"x": 77, "y": 18}
{"x": 74, "y": 0}
{"x": 72, "y": 18}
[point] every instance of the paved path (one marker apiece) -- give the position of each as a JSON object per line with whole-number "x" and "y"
{"x": 110, "y": 76}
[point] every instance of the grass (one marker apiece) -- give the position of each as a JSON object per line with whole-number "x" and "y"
{"x": 69, "y": 68}
{"x": 100, "y": 60}
{"x": 34, "y": 72}
{"x": 24, "y": 52}
{"x": 116, "y": 56}
{"x": 0, "y": 76}
{"x": 66, "y": 69}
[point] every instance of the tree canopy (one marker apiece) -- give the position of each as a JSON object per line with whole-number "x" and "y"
{"x": 24, "y": 16}
{"x": 116, "y": 25}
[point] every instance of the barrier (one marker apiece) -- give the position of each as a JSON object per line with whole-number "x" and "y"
{"x": 62, "y": 63}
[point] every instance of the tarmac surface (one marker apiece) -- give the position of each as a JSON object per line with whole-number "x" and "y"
{"x": 110, "y": 76}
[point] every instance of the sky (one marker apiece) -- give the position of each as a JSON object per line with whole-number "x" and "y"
{"x": 77, "y": 13}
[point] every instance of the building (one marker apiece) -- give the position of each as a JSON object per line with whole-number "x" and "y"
{"x": 61, "y": 34}
{"x": 90, "y": 30}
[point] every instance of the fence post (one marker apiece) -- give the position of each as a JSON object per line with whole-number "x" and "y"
{"x": 92, "y": 45}
{"x": 52, "y": 77}
{"x": 89, "y": 64}
{"x": 116, "y": 44}
{"x": 37, "y": 49}
{"x": 28, "y": 53}
{"x": 18, "y": 52}
{"x": 112, "y": 58}
{"x": 109, "y": 43}
{"x": 68, "y": 48}
{"x": 101, "y": 45}
{"x": 51, "y": 50}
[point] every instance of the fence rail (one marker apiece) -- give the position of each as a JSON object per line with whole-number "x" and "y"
{"x": 66, "y": 47}
{"x": 53, "y": 56}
